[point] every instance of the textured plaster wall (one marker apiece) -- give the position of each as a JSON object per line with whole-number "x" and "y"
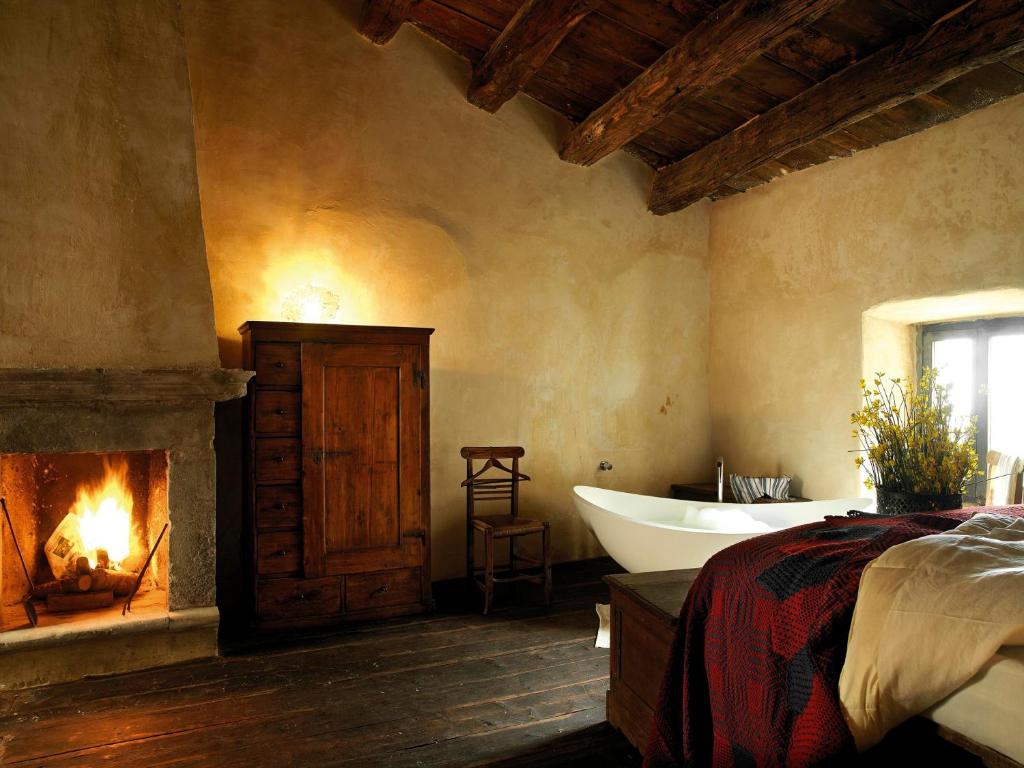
{"x": 102, "y": 261}
{"x": 796, "y": 264}
{"x": 568, "y": 319}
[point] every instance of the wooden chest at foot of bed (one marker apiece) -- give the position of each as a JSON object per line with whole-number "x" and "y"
{"x": 644, "y": 612}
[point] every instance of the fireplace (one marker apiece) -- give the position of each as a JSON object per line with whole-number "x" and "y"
{"x": 85, "y": 525}
{"x": 96, "y": 463}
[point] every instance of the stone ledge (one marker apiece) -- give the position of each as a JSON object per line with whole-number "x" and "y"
{"x": 173, "y": 638}
{"x": 21, "y": 387}
{"x": 114, "y": 627}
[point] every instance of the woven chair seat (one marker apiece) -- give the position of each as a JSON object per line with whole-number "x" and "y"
{"x": 506, "y": 525}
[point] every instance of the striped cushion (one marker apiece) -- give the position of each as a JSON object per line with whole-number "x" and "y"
{"x": 747, "y": 490}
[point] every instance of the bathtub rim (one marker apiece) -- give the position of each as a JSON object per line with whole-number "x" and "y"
{"x": 855, "y": 503}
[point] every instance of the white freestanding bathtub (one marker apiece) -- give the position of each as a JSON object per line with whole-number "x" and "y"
{"x": 647, "y": 533}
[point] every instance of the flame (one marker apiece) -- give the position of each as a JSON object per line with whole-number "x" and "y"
{"x": 105, "y": 514}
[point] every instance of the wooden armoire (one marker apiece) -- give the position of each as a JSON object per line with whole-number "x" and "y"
{"x": 338, "y": 472}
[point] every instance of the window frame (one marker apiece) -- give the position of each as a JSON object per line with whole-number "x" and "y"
{"x": 980, "y": 331}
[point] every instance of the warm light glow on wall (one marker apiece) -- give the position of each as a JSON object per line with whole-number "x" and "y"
{"x": 308, "y": 282}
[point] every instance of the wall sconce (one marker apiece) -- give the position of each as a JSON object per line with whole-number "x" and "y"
{"x": 310, "y": 304}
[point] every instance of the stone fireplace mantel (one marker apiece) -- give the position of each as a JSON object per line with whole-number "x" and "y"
{"x": 27, "y": 387}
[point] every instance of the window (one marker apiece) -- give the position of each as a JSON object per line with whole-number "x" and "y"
{"x": 982, "y": 362}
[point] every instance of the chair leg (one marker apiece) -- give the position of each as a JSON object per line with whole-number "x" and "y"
{"x": 488, "y": 570}
{"x": 470, "y": 566}
{"x": 548, "y": 586}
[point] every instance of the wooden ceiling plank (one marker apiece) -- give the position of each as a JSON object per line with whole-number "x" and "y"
{"x": 573, "y": 105}
{"x": 928, "y": 11}
{"x": 778, "y": 81}
{"x": 465, "y": 35}
{"x": 521, "y": 49}
{"x": 381, "y": 19}
{"x": 982, "y": 32}
{"x": 707, "y": 55}
{"x": 813, "y": 54}
{"x": 868, "y": 24}
{"x": 654, "y": 20}
{"x": 600, "y": 33}
{"x": 1015, "y": 62}
{"x": 493, "y": 13}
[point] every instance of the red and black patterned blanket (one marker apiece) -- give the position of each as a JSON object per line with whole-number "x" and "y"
{"x": 754, "y": 676}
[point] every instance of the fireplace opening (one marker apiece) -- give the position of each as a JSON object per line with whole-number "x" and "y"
{"x": 86, "y": 524}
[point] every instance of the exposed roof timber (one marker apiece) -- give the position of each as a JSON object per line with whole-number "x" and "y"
{"x": 382, "y": 18}
{"x": 522, "y": 48}
{"x": 975, "y": 34}
{"x": 712, "y": 51}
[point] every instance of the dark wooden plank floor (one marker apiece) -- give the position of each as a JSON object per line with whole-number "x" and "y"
{"x": 523, "y": 687}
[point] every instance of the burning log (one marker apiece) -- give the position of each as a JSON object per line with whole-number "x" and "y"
{"x": 120, "y": 582}
{"x": 96, "y": 580}
{"x": 81, "y": 583}
{"x": 79, "y": 601}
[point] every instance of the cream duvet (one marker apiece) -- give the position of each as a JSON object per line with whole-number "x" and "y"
{"x": 930, "y": 614}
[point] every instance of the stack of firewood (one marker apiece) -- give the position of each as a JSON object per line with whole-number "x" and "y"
{"x": 88, "y": 588}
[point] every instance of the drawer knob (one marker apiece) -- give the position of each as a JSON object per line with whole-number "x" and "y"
{"x": 281, "y": 506}
{"x": 381, "y": 590}
{"x": 280, "y": 411}
{"x": 279, "y": 364}
{"x": 282, "y": 553}
{"x": 279, "y": 459}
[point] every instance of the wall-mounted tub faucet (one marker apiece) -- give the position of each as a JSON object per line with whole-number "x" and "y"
{"x": 604, "y": 466}
{"x": 720, "y": 472}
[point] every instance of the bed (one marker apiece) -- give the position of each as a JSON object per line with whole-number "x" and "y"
{"x": 729, "y": 671}
{"x": 984, "y": 716}
{"x": 980, "y": 718}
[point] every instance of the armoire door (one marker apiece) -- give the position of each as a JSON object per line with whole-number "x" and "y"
{"x": 361, "y": 431}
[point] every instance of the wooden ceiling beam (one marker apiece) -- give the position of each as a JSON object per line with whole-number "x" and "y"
{"x": 381, "y": 19}
{"x": 522, "y": 48}
{"x": 708, "y": 54}
{"x": 978, "y": 33}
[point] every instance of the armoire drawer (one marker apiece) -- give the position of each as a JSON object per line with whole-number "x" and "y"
{"x": 278, "y": 413}
{"x": 278, "y": 365}
{"x": 295, "y": 598}
{"x": 279, "y": 554}
{"x": 381, "y": 589}
{"x": 278, "y": 506}
{"x": 278, "y": 460}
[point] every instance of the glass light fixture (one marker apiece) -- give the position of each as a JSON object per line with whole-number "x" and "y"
{"x": 311, "y": 304}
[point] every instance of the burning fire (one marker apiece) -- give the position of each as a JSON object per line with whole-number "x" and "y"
{"x": 104, "y": 514}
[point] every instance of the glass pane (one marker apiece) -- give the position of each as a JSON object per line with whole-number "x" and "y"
{"x": 954, "y": 360}
{"x": 1006, "y": 394}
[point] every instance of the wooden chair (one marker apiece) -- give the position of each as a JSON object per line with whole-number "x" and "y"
{"x": 483, "y": 485}
{"x": 1007, "y": 479}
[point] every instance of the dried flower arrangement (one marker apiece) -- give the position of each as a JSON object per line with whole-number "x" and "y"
{"x": 910, "y": 442}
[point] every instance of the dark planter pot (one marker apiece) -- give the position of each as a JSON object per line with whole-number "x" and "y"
{"x": 901, "y": 503}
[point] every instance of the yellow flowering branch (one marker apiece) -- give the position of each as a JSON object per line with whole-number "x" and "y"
{"x": 908, "y": 440}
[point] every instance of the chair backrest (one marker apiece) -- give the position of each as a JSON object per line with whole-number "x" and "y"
{"x": 1007, "y": 479}
{"x": 493, "y": 481}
